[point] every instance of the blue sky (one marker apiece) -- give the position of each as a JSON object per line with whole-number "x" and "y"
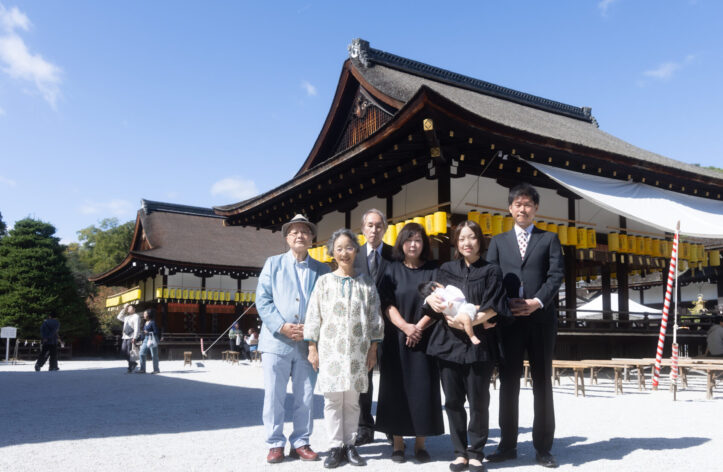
{"x": 208, "y": 103}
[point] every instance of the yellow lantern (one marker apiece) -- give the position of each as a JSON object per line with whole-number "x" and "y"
{"x": 429, "y": 225}
{"x": 655, "y": 248}
{"x": 399, "y": 226}
{"x": 420, "y": 221}
{"x": 390, "y": 235}
{"x": 507, "y": 223}
{"x": 440, "y": 222}
{"x": 581, "y": 238}
{"x": 572, "y": 236}
{"x": 496, "y": 224}
{"x": 648, "y": 242}
{"x": 591, "y": 238}
{"x": 684, "y": 251}
{"x": 473, "y": 215}
{"x": 623, "y": 243}
{"x": 552, "y": 228}
{"x": 361, "y": 239}
{"x": 159, "y": 293}
{"x": 613, "y": 242}
{"x": 640, "y": 245}
{"x": 714, "y": 258}
{"x": 632, "y": 244}
{"x": 541, "y": 225}
{"x": 562, "y": 234}
{"x": 485, "y": 222}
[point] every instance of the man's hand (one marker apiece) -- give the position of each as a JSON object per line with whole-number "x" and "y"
{"x": 293, "y": 331}
{"x": 371, "y": 356}
{"x": 523, "y": 307}
{"x": 313, "y": 356}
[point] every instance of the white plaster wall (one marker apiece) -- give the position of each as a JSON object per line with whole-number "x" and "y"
{"x": 147, "y": 286}
{"x": 480, "y": 190}
{"x": 356, "y": 214}
{"x": 415, "y": 196}
{"x": 182, "y": 280}
{"x": 249, "y": 285}
{"x": 328, "y": 224}
{"x": 221, "y": 282}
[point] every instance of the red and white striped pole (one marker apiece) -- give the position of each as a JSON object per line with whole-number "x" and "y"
{"x": 672, "y": 274}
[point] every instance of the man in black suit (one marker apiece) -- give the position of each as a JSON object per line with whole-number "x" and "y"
{"x": 371, "y": 260}
{"x": 532, "y": 265}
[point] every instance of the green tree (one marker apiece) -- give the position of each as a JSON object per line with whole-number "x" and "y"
{"x": 35, "y": 279}
{"x": 105, "y": 246}
{"x": 3, "y": 228}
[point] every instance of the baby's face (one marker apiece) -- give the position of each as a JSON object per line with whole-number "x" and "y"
{"x": 438, "y": 285}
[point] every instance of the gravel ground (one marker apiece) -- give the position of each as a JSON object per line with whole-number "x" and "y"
{"x": 92, "y": 416}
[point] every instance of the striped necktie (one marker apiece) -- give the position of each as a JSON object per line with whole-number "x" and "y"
{"x": 522, "y": 242}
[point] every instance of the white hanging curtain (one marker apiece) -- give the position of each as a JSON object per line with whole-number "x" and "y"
{"x": 662, "y": 209}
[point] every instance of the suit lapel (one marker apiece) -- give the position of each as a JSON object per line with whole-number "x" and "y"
{"x": 513, "y": 247}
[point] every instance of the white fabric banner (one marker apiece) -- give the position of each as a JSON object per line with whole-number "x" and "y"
{"x": 662, "y": 209}
{"x": 593, "y": 309}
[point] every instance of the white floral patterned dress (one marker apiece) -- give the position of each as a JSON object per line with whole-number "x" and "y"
{"x": 343, "y": 317}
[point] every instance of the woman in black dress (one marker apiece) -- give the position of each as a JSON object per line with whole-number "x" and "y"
{"x": 466, "y": 368}
{"x": 409, "y": 401}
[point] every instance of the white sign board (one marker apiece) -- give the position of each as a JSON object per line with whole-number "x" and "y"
{"x": 8, "y": 332}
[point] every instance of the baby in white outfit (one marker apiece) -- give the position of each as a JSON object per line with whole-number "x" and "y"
{"x": 457, "y": 306}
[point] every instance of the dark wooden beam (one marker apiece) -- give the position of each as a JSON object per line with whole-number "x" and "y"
{"x": 570, "y": 269}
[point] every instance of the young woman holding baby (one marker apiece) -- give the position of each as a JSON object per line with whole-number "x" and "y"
{"x": 465, "y": 367}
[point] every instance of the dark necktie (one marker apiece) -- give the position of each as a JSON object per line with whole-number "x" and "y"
{"x": 374, "y": 265}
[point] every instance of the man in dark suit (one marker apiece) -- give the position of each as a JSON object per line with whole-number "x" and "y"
{"x": 372, "y": 259}
{"x": 532, "y": 265}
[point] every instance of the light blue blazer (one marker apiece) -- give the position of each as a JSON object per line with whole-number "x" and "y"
{"x": 277, "y": 301}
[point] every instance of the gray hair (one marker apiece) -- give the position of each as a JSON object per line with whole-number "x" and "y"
{"x": 339, "y": 233}
{"x": 374, "y": 210}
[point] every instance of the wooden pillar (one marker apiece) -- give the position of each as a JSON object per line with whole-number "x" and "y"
{"x": 390, "y": 207}
{"x": 164, "y": 306}
{"x": 606, "y": 290}
{"x": 347, "y": 219}
{"x": 622, "y": 271}
{"x": 444, "y": 194}
{"x": 202, "y": 310}
{"x": 570, "y": 269}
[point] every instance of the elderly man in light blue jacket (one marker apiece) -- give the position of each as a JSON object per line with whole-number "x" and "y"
{"x": 285, "y": 284}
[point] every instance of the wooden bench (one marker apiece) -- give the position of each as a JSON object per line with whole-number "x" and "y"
{"x": 578, "y": 368}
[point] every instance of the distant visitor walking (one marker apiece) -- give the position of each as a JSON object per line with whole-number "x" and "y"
{"x": 49, "y": 335}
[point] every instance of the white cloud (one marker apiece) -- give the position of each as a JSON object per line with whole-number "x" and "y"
{"x": 115, "y": 207}
{"x": 5, "y": 180}
{"x": 2, "y": 112}
{"x": 310, "y": 89}
{"x": 666, "y": 70}
{"x": 235, "y": 188}
{"x": 604, "y": 5}
{"x": 19, "y": 63}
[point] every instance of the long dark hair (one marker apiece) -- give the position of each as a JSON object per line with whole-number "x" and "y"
{"x": 407, "y": 232}
{"x": 151, "y": 313}
{"x": 477, "y": 232}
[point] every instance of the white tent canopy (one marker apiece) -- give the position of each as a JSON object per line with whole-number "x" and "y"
{"x": 593, "y": 309}
{"x": 661, "y": 209}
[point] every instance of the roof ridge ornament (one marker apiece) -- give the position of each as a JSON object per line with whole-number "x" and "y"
{"x": 359, "y": 49}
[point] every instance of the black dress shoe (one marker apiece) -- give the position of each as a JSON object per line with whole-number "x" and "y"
{"x": 457, "y": 466}
{"x": 501, "y": 456}
{"x": 335, "y": 458}
{"x": 545, "y": 459}
{"x": 422, "y": 456}
{"x": 476, "y": 467}
{"x": 398, "y": 456}
{"x": 364, "y": 437}
{"x": 353, "y": 456}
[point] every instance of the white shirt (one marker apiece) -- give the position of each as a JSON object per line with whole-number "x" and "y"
{"x": 528, "y": 230}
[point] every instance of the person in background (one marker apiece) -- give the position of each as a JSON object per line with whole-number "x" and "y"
{"x": 131, "y": 332}
{"x": 343, "y": 327}
{"x": 252, "y": 341}
{"x": 714, "y": 339}
{"x": 284, "y": 288}
{"x": 235, "y": 339}
{"x": 49, "y": 338}
{"x": 372, "y": 260}
{"x": 151, "y": 338}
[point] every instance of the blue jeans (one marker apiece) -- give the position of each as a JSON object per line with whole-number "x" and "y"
{"x": 277, "y": 370}
{"x": 142, "y": 355}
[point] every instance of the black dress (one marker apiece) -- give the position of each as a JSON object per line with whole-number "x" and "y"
{"x": 465, "y": 368}
{"x": 409, "y": 402}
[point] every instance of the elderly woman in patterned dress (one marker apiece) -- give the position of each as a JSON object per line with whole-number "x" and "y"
{"x": 343, "y": 327}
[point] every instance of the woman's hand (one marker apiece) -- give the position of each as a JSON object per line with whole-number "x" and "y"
{"x": 414, "y": 334}
{"x": 313, "y": 356}
{"x": 436, "y": 303}
{"x": 371, "y": 356}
